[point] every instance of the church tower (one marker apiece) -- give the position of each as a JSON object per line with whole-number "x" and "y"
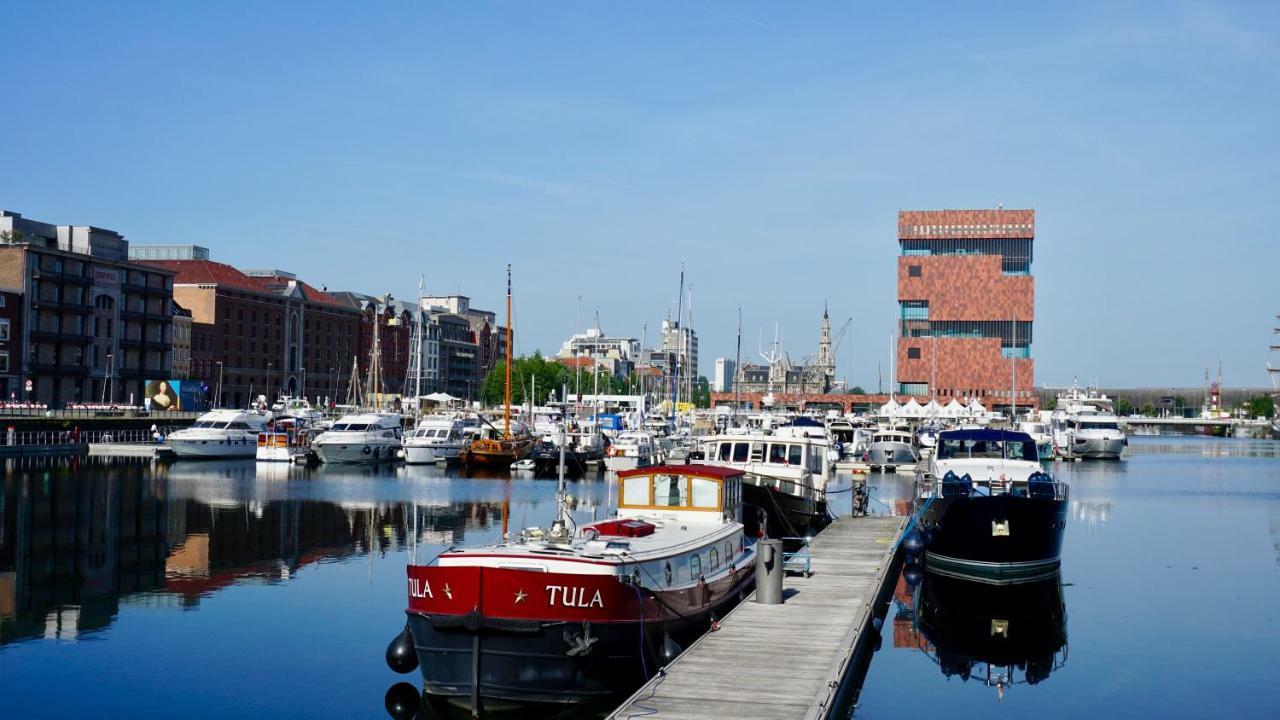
{"x": 826, "y": 358}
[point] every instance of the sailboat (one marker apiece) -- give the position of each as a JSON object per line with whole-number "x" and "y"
{"x": 501, "y": 450}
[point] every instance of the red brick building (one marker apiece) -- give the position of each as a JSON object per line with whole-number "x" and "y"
{"x": 966, "y": 306}
{"x": 263, "y": 332}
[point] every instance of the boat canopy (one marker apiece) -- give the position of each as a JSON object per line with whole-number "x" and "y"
{"x": 986, "y": 443}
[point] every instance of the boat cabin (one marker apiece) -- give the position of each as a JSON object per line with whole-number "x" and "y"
{"x": 687, "y": 493}
{"x": 769, "y": 450}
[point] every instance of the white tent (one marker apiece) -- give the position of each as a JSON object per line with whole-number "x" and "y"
{"x": 440, "y": 397}
{"x": 889, "y": 409}
{"x": 913, "y": 409}
{"x": 932, "y": 409}
{"x": 953, "y": 408}
{"x": 976, "y": 408}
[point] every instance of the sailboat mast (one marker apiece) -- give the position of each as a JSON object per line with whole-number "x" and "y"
{"x": 506, "y": 408}
{"x": 675, "y": 384}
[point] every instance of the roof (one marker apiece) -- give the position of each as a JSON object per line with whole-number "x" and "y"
{"x": 708, "y": 471}
{"x": 208, "y": 272}
{"x": 985, "y": 435}
{"x": 583, "y": 362}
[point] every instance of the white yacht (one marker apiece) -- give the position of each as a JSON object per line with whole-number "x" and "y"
{"x": 628, "y": 451}
{"x": 892, "y": 450}
{"x": 787, "y": 471}
{"x": 437, "y": 438}
{"x": 220, "y": 434}
{"x": 360, "y": 438}
{"x": 1040, "y": 433}
{"x": 1084, "y": 424}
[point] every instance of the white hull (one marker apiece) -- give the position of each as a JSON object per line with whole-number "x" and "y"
{"x": 624, "y": 462}
{"x": 1097, "y": 448}
{"x": 356, "y": 451}
{"x": 273, "y": 454}
{"x": 240, "y": 445}
{"x": 427, "y": 454}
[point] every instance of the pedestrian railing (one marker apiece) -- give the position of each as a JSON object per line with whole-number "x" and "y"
{"x": 72, "y": 437}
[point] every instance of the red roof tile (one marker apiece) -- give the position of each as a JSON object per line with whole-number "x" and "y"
{"x": 208, "y": 272}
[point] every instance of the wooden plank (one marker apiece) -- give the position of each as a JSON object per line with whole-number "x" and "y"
{"x": 812, "y": 634}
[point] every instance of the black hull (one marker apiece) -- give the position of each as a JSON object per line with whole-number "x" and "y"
{"x": 517, "y": 663}
{"x": 786, "y": 515}
{"x": 963, "y": 536}
{"x": 547, "y": 463}
{"x": 969, "y": 623}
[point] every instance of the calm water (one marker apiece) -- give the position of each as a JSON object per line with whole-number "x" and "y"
{"x": 212, "y": 589}
{"x": 1171, "y": 588}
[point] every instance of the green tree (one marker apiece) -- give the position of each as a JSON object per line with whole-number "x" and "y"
{"x": 857, "y": 390}
{"x": 702, "y": 392}
{"x": 1261, "y": 406}
{"x": 1124, "y": 406}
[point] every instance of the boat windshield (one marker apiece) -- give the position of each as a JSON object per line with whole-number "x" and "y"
{"x": 351, "y": 427}
{"x": 208, "y": 425}
{"x": 1098, "y": 425}
{"x": 952, "y": 449}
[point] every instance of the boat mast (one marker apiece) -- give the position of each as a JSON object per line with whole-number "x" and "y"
{"x": 506, "y": 408}
{"x": 1014, "y": 409}
{"x": 737, "y": 362}
{"x": 675, "y": 384}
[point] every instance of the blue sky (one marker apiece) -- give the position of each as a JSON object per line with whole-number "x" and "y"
{"x": 769, "y": 145}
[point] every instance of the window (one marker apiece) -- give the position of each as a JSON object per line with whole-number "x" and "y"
{"x": 4, "y": 329}
{"x": 913, "y": 271}
{"x": 795, "y": 453}
{"x": 695, "y": 568}
{"x": 715, "y": 559}
{"x": 778, "y": 454}
{"x": 740, "y": 452}
{"x": 4, "y": 361}
{"x": 705, "y": 493}
{"x": 635, "y": 491}
{"x": 725, "y": 449}
{"x": 669, "y": 491}
{"x": 914, "y": 309}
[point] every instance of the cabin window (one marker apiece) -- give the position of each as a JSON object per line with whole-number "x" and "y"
{"x": 796, "y": 455}
{"x": 725, "y": 450}
{"x": 695, "y": 567}
{"x": 728, "y": 551}
{"x": 778, "y": 454}
{"x": 635, "y": 491}
{"x": 705, "y": 493}
{"x": 715, "y": 559}
{"x": 669, "y": 575}
{"x": 669, "y": 491}
{"x": 740, "y": 452}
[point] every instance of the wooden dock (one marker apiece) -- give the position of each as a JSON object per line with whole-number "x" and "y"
{"x": 785, "y": 661}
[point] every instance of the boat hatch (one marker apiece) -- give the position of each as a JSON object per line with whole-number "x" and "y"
{"x": 624, "y": 528}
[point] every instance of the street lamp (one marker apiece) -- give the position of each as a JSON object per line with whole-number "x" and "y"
{"x": 270, "y": 391}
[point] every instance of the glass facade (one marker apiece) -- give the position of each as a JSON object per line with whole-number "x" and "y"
{"x": 1015, "y": 253}
{"x": 915, "y": 309}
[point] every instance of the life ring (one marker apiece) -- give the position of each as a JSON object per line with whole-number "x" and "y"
{"x": 366, "y": 450}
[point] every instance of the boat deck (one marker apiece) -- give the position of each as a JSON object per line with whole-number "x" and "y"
{"x": 814, "y": 637}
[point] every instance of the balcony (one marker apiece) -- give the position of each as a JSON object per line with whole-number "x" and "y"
{"x": 139, "y": 289}
{"x": 47, "y": 368}
{"x": 62, "y": 276}
{"x": 60, "y": 306}
{"x": 60, "y": 336}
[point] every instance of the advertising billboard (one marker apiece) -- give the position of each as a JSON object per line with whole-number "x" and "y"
{"x": 163, "y": 395}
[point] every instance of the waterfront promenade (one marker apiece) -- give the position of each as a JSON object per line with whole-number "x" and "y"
{"x": 792, "y": 660}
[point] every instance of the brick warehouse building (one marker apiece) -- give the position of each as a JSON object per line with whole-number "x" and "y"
{"x": 966, "y": 302}
{"x": 263, "y": 332}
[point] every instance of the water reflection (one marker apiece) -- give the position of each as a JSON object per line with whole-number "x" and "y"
{"x": 79, "y": 539}
{"x": 997, "y": 635}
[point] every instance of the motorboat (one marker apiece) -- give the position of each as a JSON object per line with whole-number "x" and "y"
{"x": 577, "y": 613}
{"x": 1084, "y": 425}
{"x": 283, "y": 439}
{"x": 361, "y": 438}
{"x": 891, "y": 450}
{"x": 786, "y": 476}
{"x": 999, "y": 635}
{"x": 582, "y": 446}
{"x": 629, "y": 450}
{"x": 1041, "y": 434}
{"x": 220, "y": 434}
{"x": 437, "y": 438}
{"x": 988, "y": 509}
